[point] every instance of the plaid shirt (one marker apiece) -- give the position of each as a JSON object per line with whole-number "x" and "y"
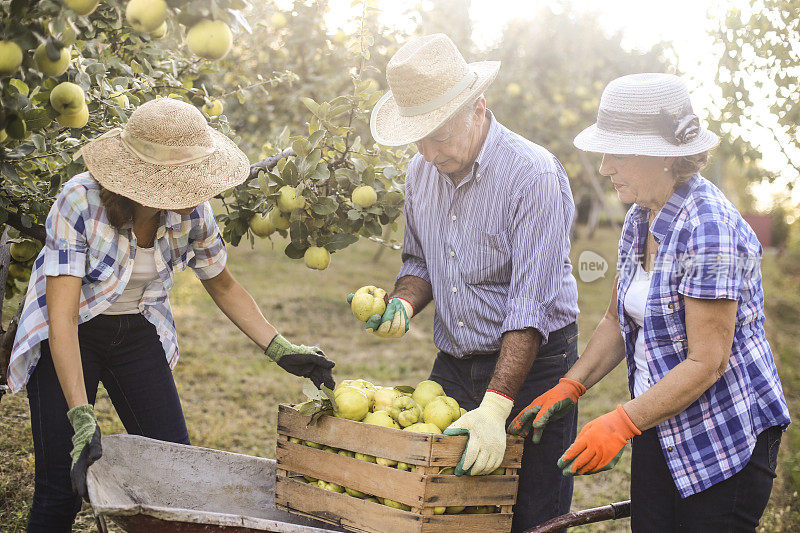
{"x": 705, "y": 250}
{"x": 82, "y": 243}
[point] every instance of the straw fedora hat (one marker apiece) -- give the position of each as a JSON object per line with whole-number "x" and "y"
{"x": 429, "y": 81}
{"x": 166, "y": 156}
{"x": 646, "y": 114}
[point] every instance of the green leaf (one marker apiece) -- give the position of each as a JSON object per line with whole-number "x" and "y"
{"x": 38, "y": 119}
{"x": 325, "y": 206}
{"x": 301, "y": 147}
{"x": 405, "y": 389}
{"x": 311, "y": 392}
{"x": 294, "y": 251}
{"x": 338, "y": 241}
{"x": 20, "y": 86}
{"x": 310, "y": 104}
{"x": 373, "y": 227}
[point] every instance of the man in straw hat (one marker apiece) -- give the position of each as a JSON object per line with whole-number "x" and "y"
{"x": 488, "y": 216}
{"x": 97, "y": 307}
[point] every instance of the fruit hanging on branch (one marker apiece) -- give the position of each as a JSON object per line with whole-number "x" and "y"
{"x": 146, "y": 15}
{"x": 210, "y": 39}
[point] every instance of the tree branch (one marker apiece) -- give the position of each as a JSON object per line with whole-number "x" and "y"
{"x": 36, "y": 231}
{"x": 269, "y": 163}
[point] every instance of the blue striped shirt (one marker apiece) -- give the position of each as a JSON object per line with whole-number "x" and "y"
{"x": 705, "y": 250}
{"x": 495, "y": 248}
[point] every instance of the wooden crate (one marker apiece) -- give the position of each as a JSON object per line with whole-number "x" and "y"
{"x": 422, "y": 490}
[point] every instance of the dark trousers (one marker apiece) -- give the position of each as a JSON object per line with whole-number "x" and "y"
{"x": 735, "y": 504}
{"x": 543, "y": 492}
{"x": 123, "y": 352}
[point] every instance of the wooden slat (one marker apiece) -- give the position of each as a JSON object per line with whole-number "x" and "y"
{"x": 405, "y": 446}
{"x": 368, "y": 517}
{"x": 447, "y": 451}
{"x": 470, "y": 490}
{"x": 371, "y": 478}
{"x": 467, "y": 523}
{"x": 343, "y": 510}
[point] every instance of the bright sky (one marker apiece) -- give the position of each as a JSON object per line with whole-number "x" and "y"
{"x": 642, "y": 23}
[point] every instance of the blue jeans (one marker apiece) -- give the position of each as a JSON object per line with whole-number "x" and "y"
{"x": 543, "y": 492}
{"x": 735, "y": 504}
{"x": 123, "y": 352}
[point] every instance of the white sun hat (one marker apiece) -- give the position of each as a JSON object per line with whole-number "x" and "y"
{"x": 166, "y": 156}
{"x": 646, "y": 114}
{"x": 429, "y": 82}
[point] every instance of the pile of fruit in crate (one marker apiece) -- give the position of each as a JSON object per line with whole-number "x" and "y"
{"x": 423, "y": 409}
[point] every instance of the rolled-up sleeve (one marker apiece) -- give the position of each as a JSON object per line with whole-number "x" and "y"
{"x": 65, "y": 245}
{"x": 714, "y": 263}
{"x": 538, "y": 232}
{"x": 413, "y": 255}
{"x": 209, "y": 252}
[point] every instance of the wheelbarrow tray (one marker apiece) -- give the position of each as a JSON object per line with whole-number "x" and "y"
{"x": 148, "y": 486}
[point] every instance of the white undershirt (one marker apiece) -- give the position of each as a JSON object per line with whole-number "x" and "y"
{"x": 635, "y": 303}
{"x": 144, "y": 271}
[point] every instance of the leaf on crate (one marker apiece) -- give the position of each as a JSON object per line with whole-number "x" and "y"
{"x": 405, "y": 389}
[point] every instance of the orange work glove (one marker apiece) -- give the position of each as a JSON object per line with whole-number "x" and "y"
{"x": 551, "y": 405}
{"x": 599, "y": 444}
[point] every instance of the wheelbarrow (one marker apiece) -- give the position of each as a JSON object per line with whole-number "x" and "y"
{"x": 149, "y": 486}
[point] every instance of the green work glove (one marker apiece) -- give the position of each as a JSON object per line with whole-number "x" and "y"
{"x": 300, "y": 360}
{"x": 395, "y": 320}
{"x": 551, "y": 405}
{"x": 86, "y": 448}
{"x": 486, "y": 427}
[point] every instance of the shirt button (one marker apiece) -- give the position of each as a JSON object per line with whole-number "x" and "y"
{"x": 453, "y": 217}
{"x": 461, "y": 324}
{"x": 452, "y": 253}
{"x": 671, "y": 305}
{"x": 455, "y": 289}
{"x": 670, "y": 448}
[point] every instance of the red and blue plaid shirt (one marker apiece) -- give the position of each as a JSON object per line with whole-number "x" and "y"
{"x": 705, "y": 250}
{"x": 82, "y": 243}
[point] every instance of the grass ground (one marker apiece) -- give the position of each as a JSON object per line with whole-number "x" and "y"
{"x": 230, "y": 392}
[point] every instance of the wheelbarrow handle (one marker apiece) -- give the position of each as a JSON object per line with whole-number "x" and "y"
{"x": 612, "y": 511}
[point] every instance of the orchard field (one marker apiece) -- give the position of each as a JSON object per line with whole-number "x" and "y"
{"x": 230, "y": 392}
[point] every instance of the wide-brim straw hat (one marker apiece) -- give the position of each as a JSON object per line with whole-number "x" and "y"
{"x": 646, "y": 114}
{"x": 166, "y": 156}
{"x": 429, "y": 82}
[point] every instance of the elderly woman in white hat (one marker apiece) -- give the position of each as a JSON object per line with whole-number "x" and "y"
{"x": 687, "y": 315}
{"x": 97, "y": 307}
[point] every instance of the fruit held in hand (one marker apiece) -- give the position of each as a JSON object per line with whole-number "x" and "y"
{"x": 426, "y": 391}
{"x": 351, "y": 403}
{"x": 67, "y": 98}
{"x": 146, "y": 15}
{"x": 405, "y": 411}
{"x": 317, "y": 258}
{"x": 364, "y": 196}
{"x": 367, "y": 301}
{"x": 82, "y": 7}
{"x": 210, "y": 39}
{"x": 48, "y": 67}
{"x": 10, "y": 57}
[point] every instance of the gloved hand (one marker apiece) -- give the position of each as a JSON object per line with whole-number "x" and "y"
{"x": 86, "y": 448}
{"x": 300, "y": 360}
{"x": 395, "y": 320}
{"x": 486, "y": 427}
{"x": 599, "y": 444}
{"x": 551, "y": 405}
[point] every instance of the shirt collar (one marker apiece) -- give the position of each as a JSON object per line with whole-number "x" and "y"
{"x": 661, "y": 224}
